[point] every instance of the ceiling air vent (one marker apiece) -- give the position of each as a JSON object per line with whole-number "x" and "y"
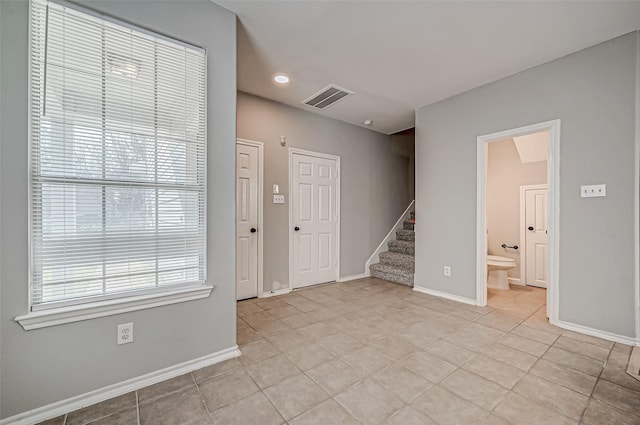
{"x": 327, "y": 97}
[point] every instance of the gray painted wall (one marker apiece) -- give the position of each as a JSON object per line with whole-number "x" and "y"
{"x": 593, "y": 93}
{"x": 42, "y": 366}
{"x": 374, "y": 188}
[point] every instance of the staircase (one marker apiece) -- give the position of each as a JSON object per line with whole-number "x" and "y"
{"x": 398, "y": 264}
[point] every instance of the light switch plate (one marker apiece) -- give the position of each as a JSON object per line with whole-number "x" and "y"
{"x": 593, "y": 191}
{"x": 278, "y": 199}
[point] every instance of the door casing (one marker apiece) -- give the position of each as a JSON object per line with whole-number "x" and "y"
{"x": 553, "y": 210}
{"x": 260, "y": 232}
{"x": 295, "y": 151}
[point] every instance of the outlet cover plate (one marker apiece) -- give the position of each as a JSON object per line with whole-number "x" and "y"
{"x": 593, "y": 191}
{"x": 125, "y": 333}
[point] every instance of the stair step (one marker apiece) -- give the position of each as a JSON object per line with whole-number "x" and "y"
{"x": 413, "y": 215}
{"x": 407, "y": 225}
{"x": 405, "y": 235}
{"x": 392, "y": 274}
{"x": 397, "y": 259}
{"x": 405, "y": 247}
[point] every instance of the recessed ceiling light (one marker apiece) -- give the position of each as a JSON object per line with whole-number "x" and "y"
{"x": 281, "y": 79}
{"x": 367, "y": 122}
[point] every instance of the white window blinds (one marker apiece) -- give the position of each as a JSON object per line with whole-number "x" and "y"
{"x": 117, "y": 159}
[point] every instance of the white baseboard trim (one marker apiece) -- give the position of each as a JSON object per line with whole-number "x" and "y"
{"x": 515, "y": 281}
{"x": 64, "y": 406}
{"x": 598, "y": 333}
{"x": 272, "y": 294}
{"x": 353, "y": 277}
{"x": 445, "y": 295}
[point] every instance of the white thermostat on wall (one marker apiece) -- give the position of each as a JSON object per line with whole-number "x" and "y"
{"x": 276, "y": 189}
{"x": 278, "y": 199}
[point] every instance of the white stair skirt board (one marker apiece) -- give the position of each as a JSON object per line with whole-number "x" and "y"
{"x": 452, "y": 297}
{"x": 634, "y": 363}
{"x": 609, "y": 336}
{"x": 74, "y": 403}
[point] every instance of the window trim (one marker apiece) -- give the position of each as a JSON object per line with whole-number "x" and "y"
{"x": 134, "y": 301}
{"x": 91, "y": 310}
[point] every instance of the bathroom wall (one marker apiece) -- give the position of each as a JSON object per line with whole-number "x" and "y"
{"x": 505, "y": 174}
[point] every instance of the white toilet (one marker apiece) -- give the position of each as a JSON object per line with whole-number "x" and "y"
{"x": 497, "y": 267}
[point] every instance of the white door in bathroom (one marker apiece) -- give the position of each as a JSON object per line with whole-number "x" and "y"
{"x": 536, "y": 257}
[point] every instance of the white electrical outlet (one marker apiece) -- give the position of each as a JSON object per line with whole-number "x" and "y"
{"x": 447, "y": 271}
{"x": 125, "y": 333}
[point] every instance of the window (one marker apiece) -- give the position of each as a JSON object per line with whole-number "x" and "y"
{"x": 117, "y": 160}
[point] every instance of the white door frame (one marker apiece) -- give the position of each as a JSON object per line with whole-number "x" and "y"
{"x": 260, "y": 232}
{"x": 553, "y": 211}
{"x": 293, "y": 151}
{"x": 523, "y": 233}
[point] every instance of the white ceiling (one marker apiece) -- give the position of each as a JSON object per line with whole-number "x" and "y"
{"x": 400, "y": 55}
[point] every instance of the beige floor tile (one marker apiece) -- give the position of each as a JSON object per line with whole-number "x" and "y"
{"x": 284, "y": 312}
{"x": 620, "y": 397}
{"x": 409, "y": 416}
{"x": 619, "y": 376}
{"x": 475, "y": 389}
{"x": 510, "y": 356}
{"x": 499, "y": 320}
{"x": 599, "y": 413}
{"x": 176, "y": 408}
{"x": 227, "y": 388}
{"x": 298, "y": 320}
{"x": 568, "y": 378}
{"x": 327, "y": 413}
{"x": 394, "y": 347}
{"x": 334, "y": 376}
{"x": 619, "y": 355}
{"x": 428, "y": 366}
{"x": 271, "y": 327}
{"x": 519, "y": 410}
{"x": 255, "y": 351}
{"x": 538, "y": 335}
{"x": 216, "y": 370}
{"x": 244, "y": 309}
{"x": 584, "y": 348}
{"x": 561, "y": 399}
{"x": 574, "y": 361}
{"x": 102, "y": 409}
{"x": 369, "y": 402}
{"x": 295, "y": 395}
{"x": 318, "y": 330}
{"x": 272, "y": 370}
{"x": 247, "y": 335}
{"x": 255, "y": 319}
{"x": 309, "y": 356}
{"x": 588, "y": 338}
{"x": 165, "y": 387}
{"x": 446, "y": 408}
{"x": 402, "y": 382}
{"x": 128, "y": 417}
{"x": 252, "y": 410}
{"x": 494, "y": 419}
{"x": 524, "y": 344}
{"x": 271, "y": 303}
{"x": 367, "y": 359}
{"x": 59, "y": 420}
{"x": 475, "y": 336}
{"x": 340, "y": 344}
{"x": 452, "y": 353}
{"x": 288, "y": 340}
{"x": 495, "y": 371}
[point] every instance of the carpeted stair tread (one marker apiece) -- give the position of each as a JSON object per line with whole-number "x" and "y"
{"x": 392, "y": 274}
{"x": 405, "y": 235}
{"x": 408, "y": 225}
{"x": 405, "y": 247}
{"x": 397, "y": 259}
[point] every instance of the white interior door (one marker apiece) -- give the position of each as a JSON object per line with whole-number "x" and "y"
{"x": 536, "y": 237}
{"x": 247, "y": 222}
{"x": 314, "y": 217}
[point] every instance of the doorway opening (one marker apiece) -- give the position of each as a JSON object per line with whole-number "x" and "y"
{"x": 503, "y": 209}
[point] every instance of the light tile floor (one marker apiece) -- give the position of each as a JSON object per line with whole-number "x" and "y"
{"x": 373, "y": 352}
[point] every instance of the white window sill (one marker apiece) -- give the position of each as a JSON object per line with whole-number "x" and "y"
{"x": 76, "y": 313}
